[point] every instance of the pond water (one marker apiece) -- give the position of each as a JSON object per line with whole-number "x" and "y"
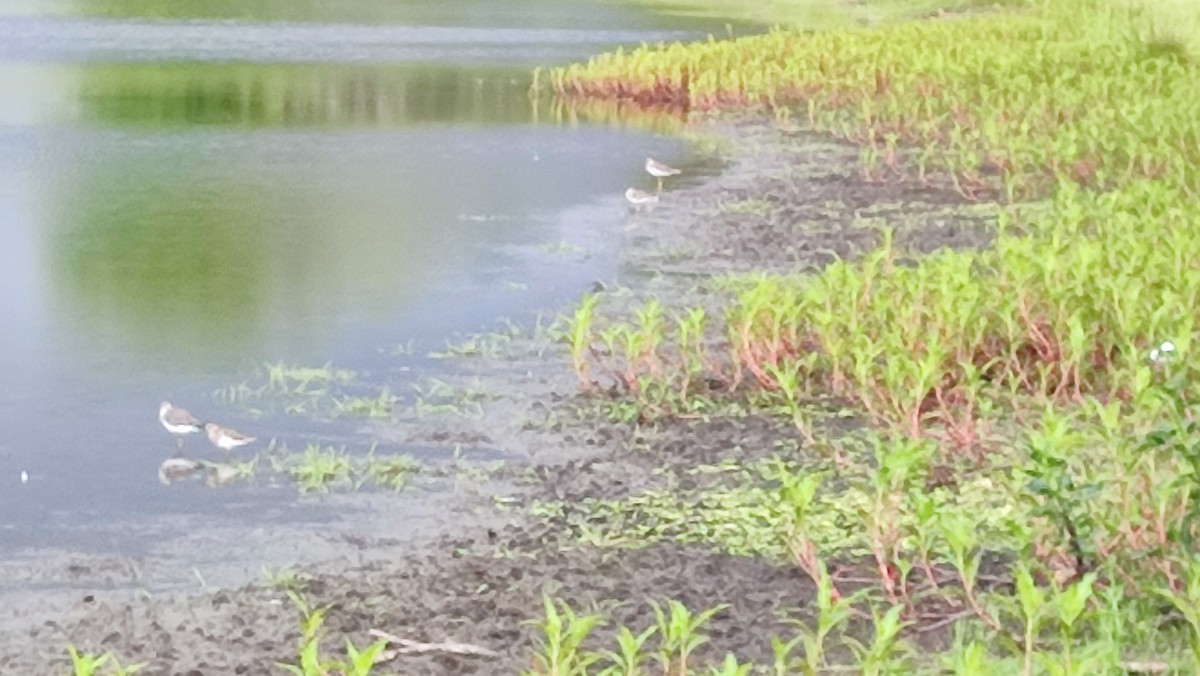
{"x": 189, "y": 189}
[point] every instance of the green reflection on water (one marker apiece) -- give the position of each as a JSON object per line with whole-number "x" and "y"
{"x": 290, "y": 95}
{"x": 199, "y": 273}
{"x": 313, "y": 10}
{"x": 220, "y": 247}
{"x": 251, "y": 96}
{"x": 160, "y": 239}
{"x": 532, "y": 14}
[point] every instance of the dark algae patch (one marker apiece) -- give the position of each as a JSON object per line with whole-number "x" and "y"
{"x": 906, "y": 387}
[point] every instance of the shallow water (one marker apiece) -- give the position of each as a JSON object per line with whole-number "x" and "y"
{"x": 190, "y": 189}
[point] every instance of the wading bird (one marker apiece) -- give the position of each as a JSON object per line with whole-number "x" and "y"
{"x": 226, "y": 438}
{"x": 659, "y": 170}
{"x": 178, "y": 421}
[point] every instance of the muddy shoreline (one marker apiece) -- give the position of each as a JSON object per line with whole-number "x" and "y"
{"x": 475, "y": 567}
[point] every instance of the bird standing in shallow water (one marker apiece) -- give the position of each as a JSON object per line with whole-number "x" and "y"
{"x": 178, "y": 421}
{"x": 226, "y": 438}
{"x": 659, "y": 170}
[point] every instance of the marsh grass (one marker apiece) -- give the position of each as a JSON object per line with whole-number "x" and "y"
{"x": 1052, "y": 375}
{"x": 393, "y": 471}
{"x": 437, "y": 397}
{"x": 749, "y": 510}
{"x": 1015, "y": 133}
{"x": 315, "y": 392}
{"x": 322, "y": 469}
{"x": 818, "y": 14}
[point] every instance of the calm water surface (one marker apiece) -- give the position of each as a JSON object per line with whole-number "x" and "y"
{"x": 190, "y": 189}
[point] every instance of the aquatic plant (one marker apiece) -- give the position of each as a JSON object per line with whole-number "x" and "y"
{"x": 295, "y": 390}
{"x": 321, "y": 469}
{"x": 434, "y": 396}
{"x": 394, "y": 471}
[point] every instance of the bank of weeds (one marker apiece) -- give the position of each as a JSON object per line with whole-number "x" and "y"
{"x": 1054, "y": 372}
{"x": 819, "y": 13}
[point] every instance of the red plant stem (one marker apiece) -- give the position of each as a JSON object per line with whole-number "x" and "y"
{"x": 974, "y": 603}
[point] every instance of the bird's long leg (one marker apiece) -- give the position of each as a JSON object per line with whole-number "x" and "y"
{"x": 659, "y": 184}
{"x": 179, "y": 442}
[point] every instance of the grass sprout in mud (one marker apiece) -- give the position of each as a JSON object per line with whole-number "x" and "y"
{"x": 310, "y": 662}
{"x": 88, "y": 664}
{"x": 677, "y": 632}
{"x": 386, "y": 647}
{"x": 674, "y": 636}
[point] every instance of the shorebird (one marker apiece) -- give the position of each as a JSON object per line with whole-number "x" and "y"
{"x": 178, "y": 421}
{"x": 226, "y": 438}
{"x": 639, "y": 197}
{"x": 659, "y": 170}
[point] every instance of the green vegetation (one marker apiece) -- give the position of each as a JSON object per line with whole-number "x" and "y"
{"x": 309, "y": 660}
{"x": 433, "y": 396}
{"x": 819, "y": 13}
{"x": 740, "y": 509}
{"x": 670, "y": 641}
{"x": 1009, "y": 95}
{"x": 488, "y": 345}
{"x": 317, "y": 392}
{"x": 328, "y": 393}
{"x": 319, "y": 469}
{"x": 316, "y": 469}
{"x": 1032, "y": 449}
{"x": 265, "y": 96}
{"x": 87, "y": 664}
